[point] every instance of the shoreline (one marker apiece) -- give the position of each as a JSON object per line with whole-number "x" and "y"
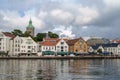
{"x": 62, "y": 57}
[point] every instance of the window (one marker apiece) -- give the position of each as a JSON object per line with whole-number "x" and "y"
{"x": 52, "y": 47}
{"x": 15, "y": 49}
{"x": 18, "y": 41}
{"x": 21, "y": 41}
{"x": 62, "y": 47}
{"x": 62, "y": 42}
{"x": 57, "y": 46}
{"x": 65, "y": 46}
{"x": 29, "y": 47}
{"x": 43, "y": 47}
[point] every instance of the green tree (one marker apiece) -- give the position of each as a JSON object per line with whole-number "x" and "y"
{"x": 17, "y": 32}
{"x": 26, "y": 34}
{"x": 99, "y": 50}
{"x": 40, "y": 36}
{"x": 52, "y": 35}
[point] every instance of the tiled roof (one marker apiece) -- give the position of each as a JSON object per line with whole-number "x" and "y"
{"x": 116, "y": 40}
{"x": 106, "y": 45}
{"x": 50, "y": 41}
{"x": 9, "y": 35}
{"x": 73, "y": 41}
{"x": 47, "y": 43}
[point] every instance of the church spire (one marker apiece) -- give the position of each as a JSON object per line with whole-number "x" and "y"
{"x": 30, "y": 21}
{"x": 30, "y": 24}
{"x": 30, "y": 28}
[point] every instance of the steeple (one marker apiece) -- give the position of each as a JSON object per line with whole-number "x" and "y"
{"x": 30, "y": 24}
{"x": 30, "y": 28}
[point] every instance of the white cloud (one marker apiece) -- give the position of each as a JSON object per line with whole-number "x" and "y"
{"x": 43, "y": 14}
{"x": 85, "y": 15}
{"x": 112, "y": 3}
{"x": 64, "y": 31}
{"x": 13, "y": 19}
{"x": 84, "y": 27}
{"x": 62, "y": 16}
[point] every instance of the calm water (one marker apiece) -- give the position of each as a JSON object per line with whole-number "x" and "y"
{"x": 60, "y": 69}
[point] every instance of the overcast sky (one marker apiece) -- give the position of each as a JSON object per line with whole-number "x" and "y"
{"x": 73, "y": 18}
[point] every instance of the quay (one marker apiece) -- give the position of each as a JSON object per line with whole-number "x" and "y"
{"x": 62, "y": 57}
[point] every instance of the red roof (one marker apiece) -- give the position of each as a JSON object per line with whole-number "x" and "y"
{"x": 50, "y": 41}
{"x": 116, "y": 40}
{"x": 47, "y": 43}
{"x": 9, "y": 35}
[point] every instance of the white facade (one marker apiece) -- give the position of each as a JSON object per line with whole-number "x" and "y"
{"x": 56, "y": 45}
{"x": 114, "y": 50}
{"x": 23, "y": 45}
{"x": 111, "y": 48}
{"x": 62, "y": 46}
{"x": 90, "y": 49}
{"x": 48, "y": 48}
{"x": 4, "y": 42}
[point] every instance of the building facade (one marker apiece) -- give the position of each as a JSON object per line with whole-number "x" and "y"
{"x": 62, "y": 46}
{"x": 5, "y": 41}
{"x": 54, "y": 44}
{"x": 78, "y": 45}
{"x": 113, "y": 48}
{"x": 24, "y": 45}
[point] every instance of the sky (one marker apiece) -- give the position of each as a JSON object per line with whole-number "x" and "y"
{"x": 71, "y": 18}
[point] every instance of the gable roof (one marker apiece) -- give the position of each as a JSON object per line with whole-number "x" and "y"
{"x": 105, "y": 45}
{"x": 50, "y": 41}
{"x": 116, "y": 40}
{"x": 73, "y": 41}
{"x": 9, "y": 35}
{"x": 47, "y": 43}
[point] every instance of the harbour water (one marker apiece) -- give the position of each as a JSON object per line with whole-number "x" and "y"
{"x": 84, "y": 69}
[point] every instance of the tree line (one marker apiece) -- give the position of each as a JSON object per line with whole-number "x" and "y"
{"x": 38, "y": 37}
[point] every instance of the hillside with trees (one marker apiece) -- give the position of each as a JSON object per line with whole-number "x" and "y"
{"x": 38, "y": 37}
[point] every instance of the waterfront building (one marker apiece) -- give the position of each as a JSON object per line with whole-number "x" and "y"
{"x": 116, "y": 41}
{"x": 113, "y": 48}
{"x": 5, "y": 41}
{"x": 78, "y": 45}
{"x": 62, "y": 46}
{"x": 30, "y": 28}
{"x": 48, "y": 44}
{"x": 24, "y": 45}
{"x": 54, "y": 44}
{"x": 95, "y": 49}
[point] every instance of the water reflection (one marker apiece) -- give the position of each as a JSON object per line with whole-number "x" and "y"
{"x": 60, "y": 69}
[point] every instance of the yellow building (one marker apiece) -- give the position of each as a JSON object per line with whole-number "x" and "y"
{"x": 78, "y": 45}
